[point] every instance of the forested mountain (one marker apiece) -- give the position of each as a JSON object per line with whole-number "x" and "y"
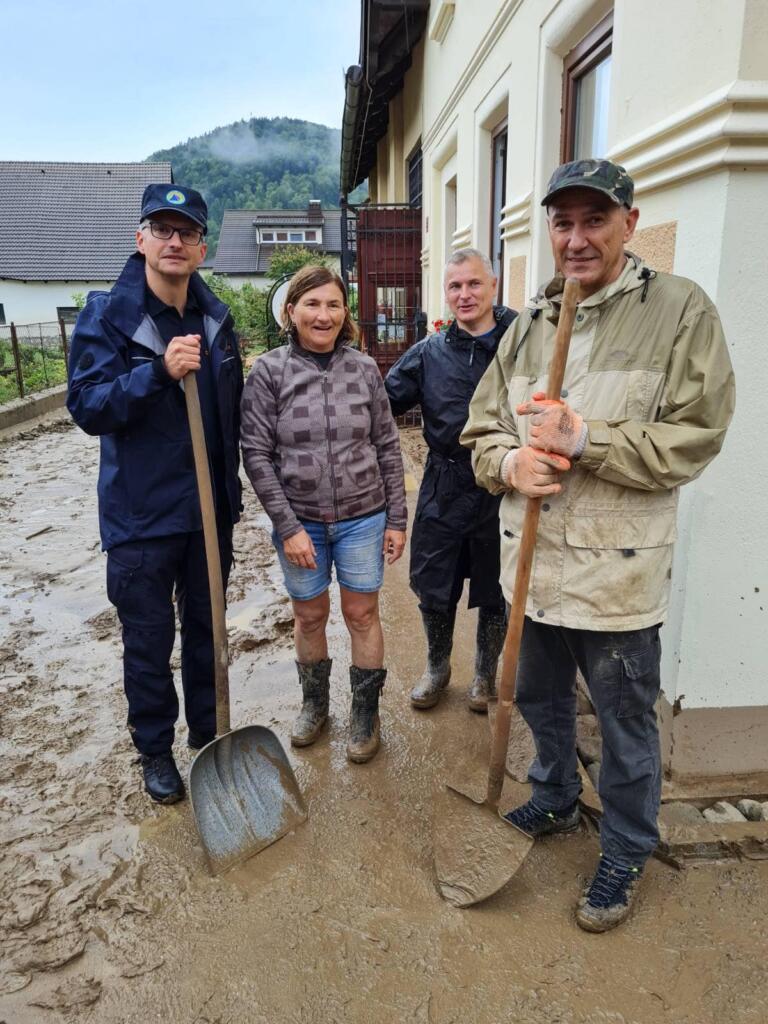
{"x": 263, "y": 163}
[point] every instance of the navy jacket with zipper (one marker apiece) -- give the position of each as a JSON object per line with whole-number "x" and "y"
{"x": 119, "y": 390}
{"x": 440, "y": 373}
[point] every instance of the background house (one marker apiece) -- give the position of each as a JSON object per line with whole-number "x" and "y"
{"x": 65, "y": 228}
{"x": 463, "y": 110}
{"x": 249, "y": 239}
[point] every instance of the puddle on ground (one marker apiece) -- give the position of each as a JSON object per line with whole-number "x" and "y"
{"x": 109, "y": 915}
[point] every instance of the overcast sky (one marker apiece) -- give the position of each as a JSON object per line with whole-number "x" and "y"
{"x": 96, "y": 80}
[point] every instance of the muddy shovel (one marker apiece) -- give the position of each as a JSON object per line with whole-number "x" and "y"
{"x": 476, "y": 851}
{"x": 243, "y": 791}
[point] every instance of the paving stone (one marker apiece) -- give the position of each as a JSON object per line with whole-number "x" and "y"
{"x": 722, "y": 812}
{"x": 593, "y": 771}
{"x": 587, "y": 725}
{"x": 590, "y": 749}
{"x": 765, "y": 811}
{"x": 751, "y": 809}
{"x": 678, "y": 813}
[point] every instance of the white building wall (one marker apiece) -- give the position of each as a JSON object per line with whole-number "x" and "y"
{"x": 689, "y": 118}
{"x": 28, "y": 302}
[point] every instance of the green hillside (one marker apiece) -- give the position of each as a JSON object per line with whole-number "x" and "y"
{"x": 263, "y": 163}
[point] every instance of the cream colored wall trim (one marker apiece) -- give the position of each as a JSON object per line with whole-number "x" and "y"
{"x": 462, "y": 237}
{"x": 728, "y": 127}
{"x": 447, "y": 146}
{"x": 441, "y": 20}
{"x": 425, "y": 258}
{"x": 505, "y": 14}
{"x": 516, "y": 217}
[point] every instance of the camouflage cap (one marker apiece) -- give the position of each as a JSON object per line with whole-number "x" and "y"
{"x": 602, "y": 175}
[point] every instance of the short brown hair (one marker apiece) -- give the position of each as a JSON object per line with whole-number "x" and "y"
{"x": 303, "y": 281}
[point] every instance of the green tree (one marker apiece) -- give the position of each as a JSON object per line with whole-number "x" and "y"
{"x": 248, "y": 306}
{"x": 287, "y": 259}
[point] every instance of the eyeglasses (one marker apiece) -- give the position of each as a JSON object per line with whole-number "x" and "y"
{"x": 189, "y": 236}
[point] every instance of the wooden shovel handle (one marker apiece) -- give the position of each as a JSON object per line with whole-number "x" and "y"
{"x": 514, "y": 635}
{"x": 212, "y": 555}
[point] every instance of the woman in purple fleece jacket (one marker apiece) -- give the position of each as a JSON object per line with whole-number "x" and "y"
{"x": 321, "y": 449}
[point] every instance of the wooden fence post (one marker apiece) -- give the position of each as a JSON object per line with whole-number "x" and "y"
{"x": 17, "y": 359}
{"x": 64, "y": 345}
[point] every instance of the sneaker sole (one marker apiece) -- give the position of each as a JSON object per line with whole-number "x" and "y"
{"x": 587, "y": 924}
{"x": 564, "y": 831}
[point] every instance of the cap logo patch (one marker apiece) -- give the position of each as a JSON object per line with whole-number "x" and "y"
{"x": 175, "y": 197}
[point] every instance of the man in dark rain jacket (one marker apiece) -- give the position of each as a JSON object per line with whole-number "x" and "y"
{"x": 456, "y": 530}
{"x": 130, "y": 350}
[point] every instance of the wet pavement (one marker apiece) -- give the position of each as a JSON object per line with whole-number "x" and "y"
{"x": 108, "y": 914}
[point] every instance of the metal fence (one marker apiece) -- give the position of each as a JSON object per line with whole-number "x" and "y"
{"x": 33, "y": 357}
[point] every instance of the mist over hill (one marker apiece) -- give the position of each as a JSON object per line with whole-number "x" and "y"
{"x": 263, "y": 163}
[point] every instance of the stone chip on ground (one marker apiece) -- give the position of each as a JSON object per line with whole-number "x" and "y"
{"x": 722, "y": 812}
{"x": 751, "y": 809}
{"x": 678, "y": 813}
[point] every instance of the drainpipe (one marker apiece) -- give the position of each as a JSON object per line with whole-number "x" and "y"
{"x": 350, "y": 145}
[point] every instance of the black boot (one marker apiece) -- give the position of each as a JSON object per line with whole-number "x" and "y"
{"x": 161, "y": 778}
{"x": 438, "y": 627}
{"x": 491, "y": 631}
{"x": 366, "y": 686}
{"x": 315, "y": 686}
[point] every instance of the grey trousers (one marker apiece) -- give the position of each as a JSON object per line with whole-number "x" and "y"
{"x": 622, "y": 672}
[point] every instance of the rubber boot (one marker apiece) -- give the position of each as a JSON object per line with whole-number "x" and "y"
{"x": 438, "y": 627}
{"x": 366, "y": 686}
{"x": 491, "y": 631}
{"x": 315, "y": 685}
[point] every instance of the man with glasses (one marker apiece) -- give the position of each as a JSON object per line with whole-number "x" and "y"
{"x": 131, "y": 349}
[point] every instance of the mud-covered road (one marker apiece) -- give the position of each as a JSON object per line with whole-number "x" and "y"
{"x": 107, "y": 914}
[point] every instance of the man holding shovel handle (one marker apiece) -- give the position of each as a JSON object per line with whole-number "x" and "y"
{"x": 647, "y": 396}
{"x": 131, "y": 349}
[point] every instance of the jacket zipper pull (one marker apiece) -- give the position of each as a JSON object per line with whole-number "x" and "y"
{"x": 472, "y": 352}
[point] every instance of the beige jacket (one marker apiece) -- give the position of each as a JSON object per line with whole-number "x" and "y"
{"x": 649, "y": 371}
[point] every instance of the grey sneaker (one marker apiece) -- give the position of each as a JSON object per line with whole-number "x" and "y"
{"x": 535, "y": 822}
{"x": 607, "y": 900}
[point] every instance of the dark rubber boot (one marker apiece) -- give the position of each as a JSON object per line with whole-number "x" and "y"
{"x": 315, "y": 685}
{"x": 438, "y": 627}
{"x": 491, "y": 631}
{"x": 366, "y": 686}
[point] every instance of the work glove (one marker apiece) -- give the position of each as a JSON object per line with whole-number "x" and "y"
{"x": 533, "y": 472}
{"x": 555, "y": 426}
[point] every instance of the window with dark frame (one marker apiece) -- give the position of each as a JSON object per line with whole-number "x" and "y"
{"x": 586, "y": 91}
{"x": 2, "y": 313}
{"x": 414, "y": 177}
{"x": 498, "y": 194}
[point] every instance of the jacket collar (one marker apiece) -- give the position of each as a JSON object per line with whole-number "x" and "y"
{"x": 503, "y": 318}
{"x": 127, "y": 305}
{"x": 634, "y": 275}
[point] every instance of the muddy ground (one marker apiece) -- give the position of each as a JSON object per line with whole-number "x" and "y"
{"x": 109, "y": 916}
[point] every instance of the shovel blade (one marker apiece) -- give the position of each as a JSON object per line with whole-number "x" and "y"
{"x": 244, "y": 795}
{"x": 476, "y": 851}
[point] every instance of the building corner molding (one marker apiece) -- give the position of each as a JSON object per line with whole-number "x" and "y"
{"x": 727, "y": 128}
{"x": 441, "y": 20}
{"x": 516, "y": 217}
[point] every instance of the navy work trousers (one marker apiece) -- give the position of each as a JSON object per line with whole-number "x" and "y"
{"x": 142, "y": 576}
{"x": 622, "y": 673}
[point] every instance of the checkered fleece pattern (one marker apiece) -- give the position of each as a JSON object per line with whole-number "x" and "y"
{"x": 321, "y": 444}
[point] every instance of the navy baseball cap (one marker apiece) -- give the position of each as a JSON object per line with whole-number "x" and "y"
{"x": 175, "y": 197}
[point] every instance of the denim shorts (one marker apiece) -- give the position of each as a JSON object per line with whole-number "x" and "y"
{"x": 354, "y": 546}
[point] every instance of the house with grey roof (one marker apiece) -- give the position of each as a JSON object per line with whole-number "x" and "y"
{"x": 66, "y": 228}
{"x": 249, "y": 239}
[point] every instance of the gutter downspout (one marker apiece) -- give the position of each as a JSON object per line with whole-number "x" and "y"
{"x": 354, "y": 81}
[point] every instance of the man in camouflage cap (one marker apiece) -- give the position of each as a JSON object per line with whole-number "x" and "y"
{"x": 647, "y": 397}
